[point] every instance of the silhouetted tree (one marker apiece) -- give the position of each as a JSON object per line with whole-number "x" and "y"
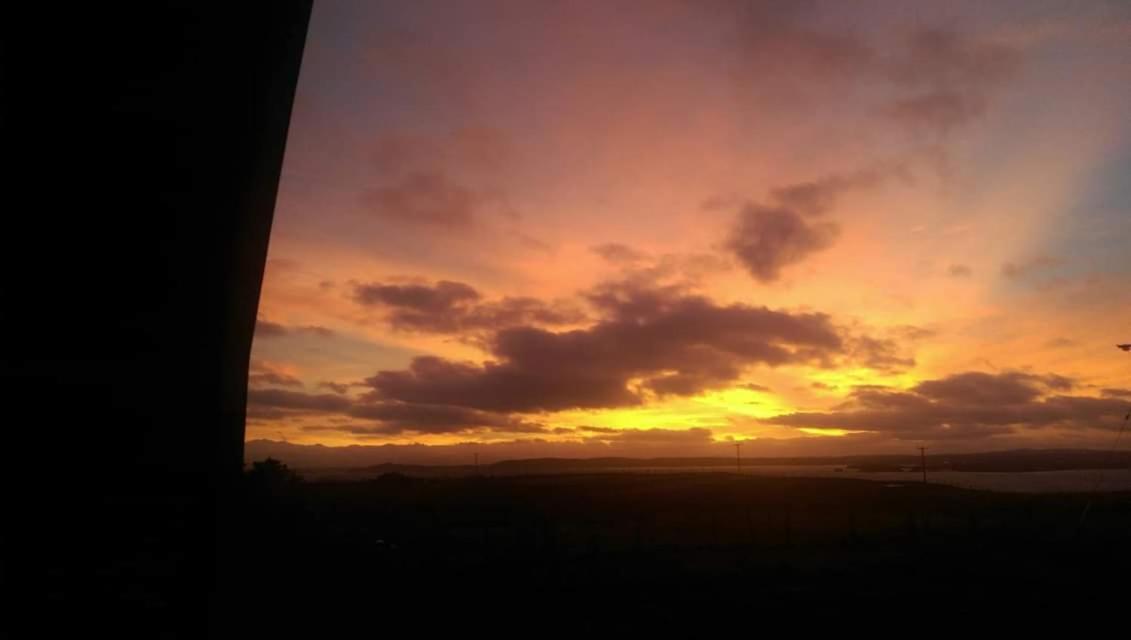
{"x": 393, "y": 479}
{"x": 272, "y": 476}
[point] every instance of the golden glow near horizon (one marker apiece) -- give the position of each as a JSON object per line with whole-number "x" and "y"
{"x": 948, "y": 193}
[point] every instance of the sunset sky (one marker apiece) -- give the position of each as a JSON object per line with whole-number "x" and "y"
{"x": 654, "y": 227}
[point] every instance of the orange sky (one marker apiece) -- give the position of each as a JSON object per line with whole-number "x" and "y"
{"x": 592, "y": 227}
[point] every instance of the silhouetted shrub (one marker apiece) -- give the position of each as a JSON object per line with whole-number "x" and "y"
{"x": 272, "y": 476}
{"x": 393, "y": 479}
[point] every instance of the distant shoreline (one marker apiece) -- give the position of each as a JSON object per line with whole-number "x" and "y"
{"x": 1069, "y": 481}
{"x": 373, "y": 460}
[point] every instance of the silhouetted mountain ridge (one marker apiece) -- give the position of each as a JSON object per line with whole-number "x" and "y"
{"x": 368, "y": 459}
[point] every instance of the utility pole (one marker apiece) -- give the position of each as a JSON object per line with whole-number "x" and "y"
{"x": 476, "y": 463}
{"x": 738, "y": 456}
{"x": 923, "y": 462}
{"x": 1107, "y": 458}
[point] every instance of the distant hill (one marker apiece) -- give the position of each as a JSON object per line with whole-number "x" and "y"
{"x": 383, "y": 459}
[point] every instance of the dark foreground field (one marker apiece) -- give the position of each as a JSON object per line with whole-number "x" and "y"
{"x": 673, "y": 553}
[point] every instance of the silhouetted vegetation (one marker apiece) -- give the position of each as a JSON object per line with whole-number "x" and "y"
{"x": 673, "y": 553}
{"x": 272, "y": 474}
{"x": 1021, "y": 460}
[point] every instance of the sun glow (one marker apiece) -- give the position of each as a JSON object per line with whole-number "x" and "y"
{"x": 676, "y": 235}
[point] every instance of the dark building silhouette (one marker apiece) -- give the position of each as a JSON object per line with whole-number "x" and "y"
{"x": 143, "y": 146}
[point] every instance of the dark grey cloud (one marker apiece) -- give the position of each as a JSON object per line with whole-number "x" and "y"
{"x": 913, "y": 333}
{"x": 515, "y": 310}
{"x": 938, "y": 111}
{"x": 442, "y": 297}
{"x": 336, "y": 387}
{"x": 531, "y": 243}
{"x": 880, "y": 354}
{"x": 618, "y": 253}
{"x": 959, "y": 271}
{"x": 659, "y": 436}
{"x": 455, "y": 307}
{"x": 315, "y": 330}
{"x": 784, "y": 54}
{"x": 399, "y": 417}
{"x": 469, "y": 147}
{"x": 262, "y": 375}
{"x": 430, "y": 72}
{"x": 815, "y": 197}
{"x": 444, "y": 180}
{"x": 267, "y": 378}
{"x": 990, "y": 389}
{"x": 267, "y": 329}
{"x": 936, "y": 79}
{"x": 627, "y": 443}
{"x": 1028, "y": 267}
{"x": 946, "y": 78}
{"x": 765, "y": 240}
{"x": 674, "y": 343}
{"x": 721, "y": 202}
{"x": 260, "y": 413}
{"x": 966, "y": 405}
{"x": 382, "y": 417}
{"x": 297, "y": 401}
{"x": 938, "y": 57}
{"x": 503, "y": 386}
{"x": 671, "y": 270}
{"x": 426, "y": 199}
{"x": 929, "y": 81}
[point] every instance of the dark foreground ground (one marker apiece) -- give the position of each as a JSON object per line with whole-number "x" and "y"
{"x": 680, "y": 553}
